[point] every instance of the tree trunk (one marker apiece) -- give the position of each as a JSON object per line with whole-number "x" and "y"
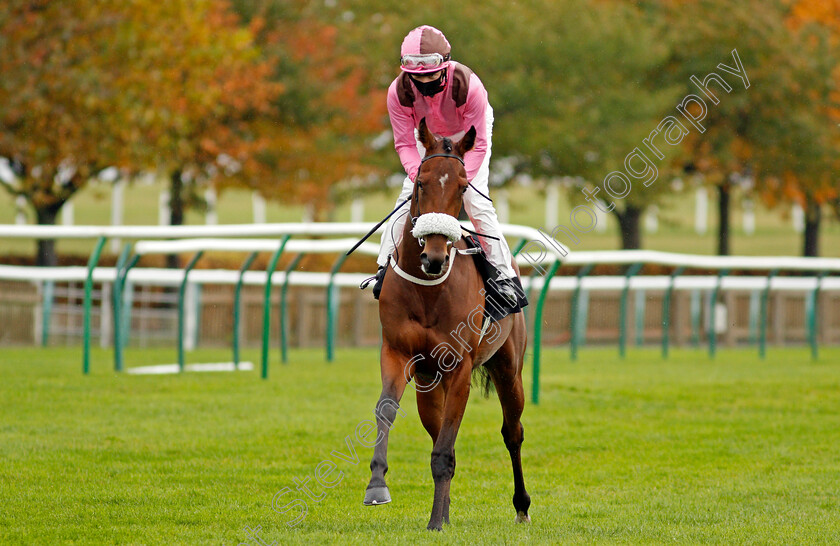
{"x": 46, "y": 256}
{"x": 811, "y": 239}
{"x": 176, "y": 211}
{"x": 629, "y": 222}
{"x": 724, "y": 195}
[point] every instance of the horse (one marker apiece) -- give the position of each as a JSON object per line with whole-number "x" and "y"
{"x": 431, "y": 308}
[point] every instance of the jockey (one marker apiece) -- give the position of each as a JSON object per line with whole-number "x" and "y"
{"x": 452, "y": 99}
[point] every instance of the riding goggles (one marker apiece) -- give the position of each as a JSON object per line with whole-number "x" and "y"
{"x": 422, "y": 61}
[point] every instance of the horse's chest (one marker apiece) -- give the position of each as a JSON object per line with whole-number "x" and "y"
{"x": 421, "y": 333}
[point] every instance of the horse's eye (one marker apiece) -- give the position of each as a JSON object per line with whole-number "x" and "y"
{"x": 419, "y": 185}
{"x": 464, "y": 189}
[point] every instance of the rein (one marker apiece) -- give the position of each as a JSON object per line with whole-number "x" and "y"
{"x": 415, "y": 197}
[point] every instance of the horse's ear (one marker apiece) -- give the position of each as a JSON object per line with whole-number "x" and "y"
{"x": 426, "y": 137}
{"x": 466, "y": 144}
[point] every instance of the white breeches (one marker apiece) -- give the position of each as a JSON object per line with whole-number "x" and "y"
{"x": 480, "y": 210}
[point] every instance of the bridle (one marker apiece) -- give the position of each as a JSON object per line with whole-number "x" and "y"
{"x": 415, "y": 196}
{"x": 415, "y": 201}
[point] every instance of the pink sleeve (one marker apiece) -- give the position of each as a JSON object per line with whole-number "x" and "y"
{"x": 475, "y": 110}
{"x": 402, "y": 122}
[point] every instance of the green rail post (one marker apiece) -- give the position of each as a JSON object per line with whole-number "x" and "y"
{"x": 269, "y": 272}
{"x": 237, "y": 301}
{"x": 48, "y": 288}
{"x": 123, "y": 321}
{"x": 575, "y": 311}
{"x": 533, "y": 275}
{"x": 519, "y": 246}
{"x": 538, "y": 312}
{"x": 762, "y": 319}
{"x": 284, "y": 318}
{"x": 91, "y": 265}
{"x": 712, "y": 307}
{"x": 181, "y": 292}
{"x": 515, "y": 252}
{"x": 116, "y": 305}
{"x": 812, "y": 316}
{"x": 332, "y": 307}
{"x": 622, "y": 313}
{"x": 666, "y": 311}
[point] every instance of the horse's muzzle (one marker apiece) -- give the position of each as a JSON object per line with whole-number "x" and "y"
{"x": 434, "y": 266}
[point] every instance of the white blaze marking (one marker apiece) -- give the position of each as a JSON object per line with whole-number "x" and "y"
{"x": 443, "y": 180}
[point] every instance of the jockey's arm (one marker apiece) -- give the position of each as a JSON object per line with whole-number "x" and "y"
{"x": 402, "y": 124}
{"x": 475, "y": 111}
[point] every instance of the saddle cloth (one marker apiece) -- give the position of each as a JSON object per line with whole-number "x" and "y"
{"x": 497, "y": 306}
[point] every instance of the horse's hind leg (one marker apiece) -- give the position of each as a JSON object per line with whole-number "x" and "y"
{"x": 506, "y": 374}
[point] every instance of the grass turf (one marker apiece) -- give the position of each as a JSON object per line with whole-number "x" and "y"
{"x": 688, "y": 450}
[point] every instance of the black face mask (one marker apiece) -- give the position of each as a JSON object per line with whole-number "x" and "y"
{"x": 429, "y": 89}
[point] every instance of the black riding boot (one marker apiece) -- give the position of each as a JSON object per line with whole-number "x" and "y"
{"x": 377, "y": 287}
{"x": 380, "y": 276}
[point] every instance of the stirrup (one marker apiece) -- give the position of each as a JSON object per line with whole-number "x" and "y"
{"x": 366, "y": 282}
{"x": 377, "y": 288}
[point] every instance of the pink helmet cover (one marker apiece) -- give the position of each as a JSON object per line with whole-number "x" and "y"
{"x": 422, "y": 40}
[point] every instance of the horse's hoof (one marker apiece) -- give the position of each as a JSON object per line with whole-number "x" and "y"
{"x": 377, "y": 495}
{"x": 434, "y": 527}
{"x": 522, "y": 517}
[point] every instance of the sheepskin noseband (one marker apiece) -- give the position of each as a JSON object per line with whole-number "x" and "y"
{"x": 439, "y": 224}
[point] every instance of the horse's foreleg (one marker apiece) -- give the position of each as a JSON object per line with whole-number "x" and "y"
{"x": 443, "y": 453}
{"x": 507, "y": 378}
{"x": 393, "y": 386}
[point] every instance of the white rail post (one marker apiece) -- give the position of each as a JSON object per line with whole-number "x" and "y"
{"x": 552, "y": 197}
{"x": 357, "y": 210}
{"x": 67, "y": 214}
{"x": 308, "y": 213}
{"x": 211, "y": 217}
{"x": 749, "y": 216}
{"x": 163, "y": 208}
{"x": 117, "y": 202}
{"x": 701, "y": 211}
{"x": 652, "y": 219}
{"x": 601, "y": 226}
{"x": 258, "y": 208}
{"x": 797, "y": 215}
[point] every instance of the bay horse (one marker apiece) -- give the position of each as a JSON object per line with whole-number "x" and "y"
{"x": 431, "y": 308}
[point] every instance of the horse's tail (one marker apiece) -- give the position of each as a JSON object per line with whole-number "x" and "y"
{"x": 481, "y": 378}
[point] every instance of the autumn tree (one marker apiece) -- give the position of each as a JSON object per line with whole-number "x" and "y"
{"x": 200, "y": 90}
{"x": 813, "y": 179}
{"x": 574, "y": 93}
{"x": 60, "y": 123}
{"x": 333, "y": 105}
{"x": 171, "y": 86}
{"x": 772, "y": 131}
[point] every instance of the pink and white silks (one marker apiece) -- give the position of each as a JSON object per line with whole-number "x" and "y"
{"x": 449, "y": 113}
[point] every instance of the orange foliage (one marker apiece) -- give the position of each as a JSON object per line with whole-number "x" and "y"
{"x": 322, "y": 140}
{"x": 137, "y": 85}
